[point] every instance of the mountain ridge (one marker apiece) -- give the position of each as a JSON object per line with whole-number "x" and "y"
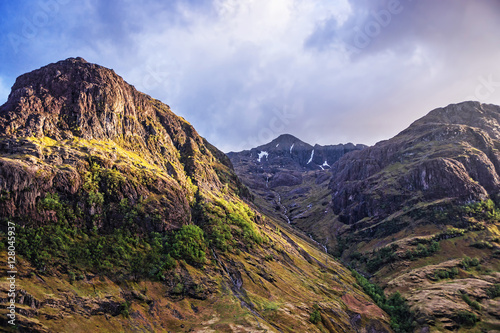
{"x": 463, "y": 159}
{"x": 300, "y": 153}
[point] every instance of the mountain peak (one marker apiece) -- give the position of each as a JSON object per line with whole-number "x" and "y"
{"x": 74, "y": 98}
{"x": 75, "y": 60}
{"x": 470, "y": 113}
{"x": 286, "y": 138}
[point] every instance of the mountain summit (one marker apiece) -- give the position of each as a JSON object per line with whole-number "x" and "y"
{"x": 291, "y": 153}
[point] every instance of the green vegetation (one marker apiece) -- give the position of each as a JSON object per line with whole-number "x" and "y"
{"x": 482, "y": 245}
{"x": 271, "y": 306}
{"x": 64, "y": 213}
{"x": 83, "y": 250}
{"x": 381, "y": 257}
{"x": 493, "y": 291}
{"x": 402, "y": 318}
{"x": 226, "y": 221}
{"x": 471, "y": 303}
{"x": 73, "y": 239}
{"x": 315, "y": 316}
{"x": 446, "y": 273}
{"x": 124, "y": 309}
{"x": 189, "y": 244}
{"x": 342, "y": 244}
{"x": 484, "y": 210}
{"x": 450, "y": 232}
{"x": 91, "y": 181}
{"x": 467, "y": 263}
{"x": 423, "y": 250}
{"x": 466, "y": 318}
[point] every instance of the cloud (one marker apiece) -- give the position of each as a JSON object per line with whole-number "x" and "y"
{"x": 244, "y": 71}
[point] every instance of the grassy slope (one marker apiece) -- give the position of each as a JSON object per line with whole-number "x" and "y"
{"x": 281, "y": 282}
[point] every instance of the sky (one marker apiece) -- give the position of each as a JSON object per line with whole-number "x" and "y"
{"x": 245, "y": 71}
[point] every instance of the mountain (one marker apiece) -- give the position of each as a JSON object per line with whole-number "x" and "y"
{"x": 72, "y": 116}
{"x": 418, "y": 214}
{"x": 291, "y": 154}
{"x": 127, "y": 220}
{"x": 289, "y": 178}
{"x": 452, "y": 153}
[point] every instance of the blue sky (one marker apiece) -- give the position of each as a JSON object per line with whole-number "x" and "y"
{"x": 244, "y": 71}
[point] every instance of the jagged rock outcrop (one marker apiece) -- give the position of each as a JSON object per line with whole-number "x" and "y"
{"x": 451, "y": 153}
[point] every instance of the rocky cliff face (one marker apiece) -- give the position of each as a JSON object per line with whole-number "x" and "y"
{"x": 65, "y": 117}
{"x": 414, "y": 210}
{"x": 450, "y": 153}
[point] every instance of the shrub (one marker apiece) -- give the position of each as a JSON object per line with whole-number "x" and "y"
{"x": 446, "y": 273}
{"x": 114, "y": 179}
{"x": 178, "y": 289}
{"x": 493, "y": 291}
{"x": 189, "y": 244}
{"x": 125, "y": 307}
{"x": 50, "y": 202}
{"x": 466, "y": 318}
{"x": 467, "y": 262}
{"x": 402, "y": 318}
{"x": 482, "y": 245}
{"x": 471, "y": 303}
{"x": 315, "y": 317}
{"x": 381, "y": 257}
{"x": 423, "y": 250}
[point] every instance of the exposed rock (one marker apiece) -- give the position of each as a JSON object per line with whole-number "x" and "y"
{"x": 63, "y": 117}
{"x": 450, "y": 153}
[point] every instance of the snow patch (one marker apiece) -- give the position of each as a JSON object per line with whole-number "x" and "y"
{"x": 262, "y": 154}
{"x": 310, "y": 159}
{"x": 325, "y": 164}
{"x": 291, "y": 148}
{"x": 322, "y": 167}
{"x": 277, "y": 145}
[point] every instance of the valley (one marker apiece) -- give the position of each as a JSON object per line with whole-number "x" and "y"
{"x": 416, "y": 214}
